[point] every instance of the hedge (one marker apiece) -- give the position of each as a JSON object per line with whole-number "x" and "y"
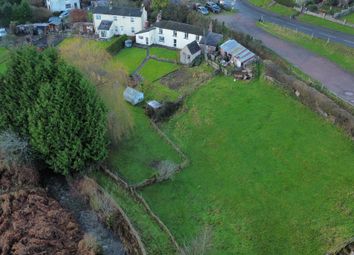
{"x": 115, "y": 47}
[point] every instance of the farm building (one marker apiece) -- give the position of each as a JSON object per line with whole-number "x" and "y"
{"x": 133, "y": 96}
{"x": 189, "y": 53}
{"x": 210, "y": 42}
{"x": 238, "y": 54}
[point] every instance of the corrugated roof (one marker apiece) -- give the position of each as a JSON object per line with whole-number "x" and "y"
{"x": 237, "y": 50}
{"x": 183, "y": 27}
{"x": 119, "y": 11}
{"x": 145, "y": 30}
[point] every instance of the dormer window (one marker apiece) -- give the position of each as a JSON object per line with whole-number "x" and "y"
{"x": 174, "y": 33}
{"x": 185, "y": 35}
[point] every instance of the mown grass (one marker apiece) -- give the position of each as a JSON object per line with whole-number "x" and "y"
{"x": 337, "y": 53}
{"x": 164, "y": 53}
{"x": 157, "y": 91}
{"x": 325, "y": 23}
{"x": 154, "y": 239}
{"x": 267, "y": 174}
{"x": 153, "y": 70}
{"x": 349, "y": 18}
{"x": 134, "y": 157}
{"x": 131, "y": 58}
{"x": 3, "y": 59}
{"x": 276, "y": 8}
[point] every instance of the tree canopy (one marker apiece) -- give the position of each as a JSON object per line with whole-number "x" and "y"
{"x": 50, "y": 102}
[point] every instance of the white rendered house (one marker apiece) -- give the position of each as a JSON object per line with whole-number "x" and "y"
{"x": 62, "y": 5}
{"x": 110, "y": 21}
{"x": 170, "y": 34}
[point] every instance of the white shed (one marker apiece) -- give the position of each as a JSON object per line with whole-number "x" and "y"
{"x": 133, "y": 96}
{"x": 190, "y": 52}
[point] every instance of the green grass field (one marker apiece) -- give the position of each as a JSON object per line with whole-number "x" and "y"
{"x": 157, "y": 91}
{"x": 154, "y": 70}
{"x": 276, "y": 8}
{"x": 154, "y": 239}
{"x": 267, "y": 174}
{"x": 349, "y": 18}
{"x": 164, "y": 53}
{"x": 131, "y": 58}
{"x": 3, "y": 59}
{"x": 325, "y": 23}
{"x": 337, "y": 53}
{"x": 137, "y": 152}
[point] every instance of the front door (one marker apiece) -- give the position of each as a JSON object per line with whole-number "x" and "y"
{"x": 147, "y": 40}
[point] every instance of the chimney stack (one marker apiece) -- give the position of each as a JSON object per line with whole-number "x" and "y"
{"x": 159, "y": 16}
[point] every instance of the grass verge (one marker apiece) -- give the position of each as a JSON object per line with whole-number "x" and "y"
{"x": 265, "y": 170}
{"x": 276, "y": 7}
{"x": 337, "y": 53}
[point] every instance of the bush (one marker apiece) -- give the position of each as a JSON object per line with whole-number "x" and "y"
{"x": 115, "y": 47}
{"x": 312, "y": 8}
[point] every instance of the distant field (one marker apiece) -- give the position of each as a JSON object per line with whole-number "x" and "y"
{"x": 337, "y": 53}
{"x": 265, "y": 170}
{"x": 326, "y": 23}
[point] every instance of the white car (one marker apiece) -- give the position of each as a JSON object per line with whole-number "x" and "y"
{"x": 64, "y": 14}
{"x": 3, "y": 32}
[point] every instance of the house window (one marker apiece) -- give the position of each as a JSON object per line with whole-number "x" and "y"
{"x": 161, "y": 39}
{"x": 103, "y": 34}
{"x": 141, "y": 37}
{"x": 115, "y": 18}
{"x": 133, "y": 30}
{"x": 174, "y": 33}
{"x": 160, "y": 31}
{"x": 75, "y": 5}
{"x": 197, "y": 38}
{"x": 121, "y": 29}
{"x": 131, "y": 19}
{"x": 116, "y": 29}
{"x": 174, "y": 43}
{"x": 68, "y": 6}
{"x": 98, "y": 17}
{"x": 185, "y": 35}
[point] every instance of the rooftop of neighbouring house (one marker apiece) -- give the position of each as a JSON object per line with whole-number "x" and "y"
{"x": 178, "y": 26}
{"x": 105, "y": 25}
{"x": 119, "y": 11}
{"x": 212, "y": 39}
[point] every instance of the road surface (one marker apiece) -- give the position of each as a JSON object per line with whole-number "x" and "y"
{"x": 335, "y": 79}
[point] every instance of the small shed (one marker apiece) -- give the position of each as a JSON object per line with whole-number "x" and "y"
{"x": 154, "y": 105}
{"x": 210, "y": 42}
{"x": 133, "y": 96}
{"x": 237, "y": 53}
{"x": 189, "y": 53}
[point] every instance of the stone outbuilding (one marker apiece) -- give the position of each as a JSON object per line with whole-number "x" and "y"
{"x": 189, "y": 53}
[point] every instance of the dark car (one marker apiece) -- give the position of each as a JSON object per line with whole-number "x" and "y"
{"x": 227, "y": 4}
{"x": 213, "y": 7}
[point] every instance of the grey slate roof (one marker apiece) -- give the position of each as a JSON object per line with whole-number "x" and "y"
{"x": 119, "y": 11}
{"x": 105, "y": 25}
{"x": 193, "y": 47}
{"x": 183, "y": 27}
{"x": 212, "y": 39}
{"x": 145, "y": 30}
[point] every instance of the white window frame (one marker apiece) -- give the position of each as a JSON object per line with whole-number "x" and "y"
{"x": 160, "y": 31}
{"x": 133, "y": 30}
{"x": 115, "y": 18}
{"x": 174, "y": 33}
{"x": 161, "y": 39}
{"x": 132, "y": 19}
{"x": 185, "y": 35}
{"x": 98, "y": 17}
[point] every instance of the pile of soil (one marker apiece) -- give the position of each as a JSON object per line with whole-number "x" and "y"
{"x": 33, "y": 223}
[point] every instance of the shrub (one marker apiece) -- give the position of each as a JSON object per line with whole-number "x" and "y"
{"x": 115, "y": 47}
{"x": 312, "y": 8}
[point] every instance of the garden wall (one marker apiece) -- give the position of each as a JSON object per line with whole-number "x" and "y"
{"x": 311, "y": 97}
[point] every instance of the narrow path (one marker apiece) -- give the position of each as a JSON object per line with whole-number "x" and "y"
{"x": 329, "y": 74}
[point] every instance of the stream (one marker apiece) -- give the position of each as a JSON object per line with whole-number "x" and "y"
{"x": 88, "y": 220}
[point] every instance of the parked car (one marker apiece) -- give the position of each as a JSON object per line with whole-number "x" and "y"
{"x": 213, "y": 7}
{"x": 202, "y": 10}
{"x": 227, "y": 4}
{"x": 64, "y": 14}
{"x": 3, "y": 32}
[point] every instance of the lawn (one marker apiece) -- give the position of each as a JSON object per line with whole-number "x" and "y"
{"x": 157, "y": 91}
{"x": 154, "y": 239}
{"x": 131, "y": 58}
{"x": 3, "y": 59}
{"x": 153, "y": 70}
{"x": 276, "y": 8}
{"x": 349, "y": 18}
{"x": 164, "y": 53}
{"x": 326, "y": 23}
{"x": 267, "y": 174}
{"x": 135, "y": 154}
{"x": 337, "y": 53}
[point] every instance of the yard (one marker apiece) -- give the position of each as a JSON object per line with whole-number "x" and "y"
{"x": 164, "y": 53}
{"x": 131, "y": 58}
{"x": 268, "y": 175}
{"x": 337, "y": 53}
{"x": 154, "y": 70}
{"x": 325, "y": 23}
